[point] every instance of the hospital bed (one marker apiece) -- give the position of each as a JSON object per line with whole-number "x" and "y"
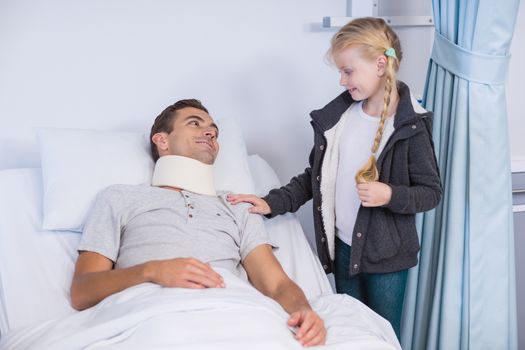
{"x": 41, "y": 216}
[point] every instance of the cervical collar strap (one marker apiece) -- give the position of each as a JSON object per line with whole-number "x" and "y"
{"x": 184, "y": 173}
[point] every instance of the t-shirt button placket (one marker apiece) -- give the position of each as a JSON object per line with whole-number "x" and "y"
{"x": 190, "y": 208}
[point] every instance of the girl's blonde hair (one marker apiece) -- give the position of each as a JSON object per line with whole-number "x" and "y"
{"x": 374, "y": 38}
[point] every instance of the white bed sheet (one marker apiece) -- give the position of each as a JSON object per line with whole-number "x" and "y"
{"x": 35, "y": 265}
{"x": 36, "y": 268}
{"x": 295, "y": 255}
{"x": 148, "y": 316}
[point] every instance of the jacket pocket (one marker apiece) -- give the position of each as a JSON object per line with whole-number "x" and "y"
{"x": 383, "y": 241}
{"x": 406, "y": 225}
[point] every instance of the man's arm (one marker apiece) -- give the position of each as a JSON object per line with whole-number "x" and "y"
{"x": 267, "y": 275}
{"x": 95, "y": 278}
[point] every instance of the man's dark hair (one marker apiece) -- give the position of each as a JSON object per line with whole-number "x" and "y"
{"x": 164, "y": 121}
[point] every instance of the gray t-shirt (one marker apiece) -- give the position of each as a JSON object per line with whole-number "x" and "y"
{"x": 132, "y": 224}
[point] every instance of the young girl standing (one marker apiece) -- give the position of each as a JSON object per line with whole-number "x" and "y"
{"x": 372, "y": 168}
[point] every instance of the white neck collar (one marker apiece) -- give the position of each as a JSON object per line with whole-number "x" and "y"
{"x": 184, "y": 173}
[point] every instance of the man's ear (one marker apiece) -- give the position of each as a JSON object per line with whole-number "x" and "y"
{"x": 160, "y": 139}
{"x": 381, "y": 63}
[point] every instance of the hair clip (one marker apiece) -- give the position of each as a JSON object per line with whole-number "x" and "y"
{"x": 390, "y": 52}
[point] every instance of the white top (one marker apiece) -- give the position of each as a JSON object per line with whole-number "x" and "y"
{"x": 354, "y": 150}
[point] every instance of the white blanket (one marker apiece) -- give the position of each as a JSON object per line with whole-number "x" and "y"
{"x": 148, "y": 316}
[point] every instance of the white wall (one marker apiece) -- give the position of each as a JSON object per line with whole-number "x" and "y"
{"x": 115, "y": 64}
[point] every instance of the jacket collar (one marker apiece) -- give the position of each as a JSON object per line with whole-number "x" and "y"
{"x": 408, "y": 109}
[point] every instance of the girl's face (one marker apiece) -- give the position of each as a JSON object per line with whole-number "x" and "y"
{"x": 362, "y": 77}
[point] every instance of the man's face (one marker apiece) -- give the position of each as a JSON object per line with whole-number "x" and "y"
{"x": 194, "y": 135}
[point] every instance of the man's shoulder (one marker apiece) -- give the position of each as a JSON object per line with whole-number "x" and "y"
{"x": 122, "y": 188}
{"x": 118, "y": 192}
{"x": 238, "y": 210}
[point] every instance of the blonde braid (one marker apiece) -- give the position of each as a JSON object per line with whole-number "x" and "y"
{"x": 369, "y": 172}
{"x": 373, "y": 37}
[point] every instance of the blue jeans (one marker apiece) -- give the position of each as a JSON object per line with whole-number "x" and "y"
{"x": 382, "y": 292}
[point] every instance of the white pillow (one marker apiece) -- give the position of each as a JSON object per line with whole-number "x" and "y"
{"x": 231, "y": 169}
{"x": 264, "y": 176}
{"x": 77, "y": 164}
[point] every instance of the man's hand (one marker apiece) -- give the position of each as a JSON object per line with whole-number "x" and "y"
{"x": 311, "y": 330}
{"x": 184, "y": 273}
{"x": 95, "y": 278}
{"x": 374, "y": 194}
{"x": 267, "y": 275}
{"x": 259, "y": 205}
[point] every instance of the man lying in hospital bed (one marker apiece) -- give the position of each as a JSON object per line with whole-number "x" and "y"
{"x": 177, "y": 231}
{"x": 138, "y": 234}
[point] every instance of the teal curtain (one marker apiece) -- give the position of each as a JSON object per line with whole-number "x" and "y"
{"x": 462, "y": 293}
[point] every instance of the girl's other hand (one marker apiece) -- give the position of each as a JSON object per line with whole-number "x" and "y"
{"x": 374, "y": 194}
{"x": 259, "y": 205}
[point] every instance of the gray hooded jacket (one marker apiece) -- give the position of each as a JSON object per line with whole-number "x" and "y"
{"x": 384, "y": 238}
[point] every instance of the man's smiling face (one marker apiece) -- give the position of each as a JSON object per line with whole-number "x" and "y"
{"x": 194, "y": 135}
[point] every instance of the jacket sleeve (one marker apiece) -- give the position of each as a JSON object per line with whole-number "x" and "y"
{"x": 291, "y": 197}
{"x": 424, "y": 192}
